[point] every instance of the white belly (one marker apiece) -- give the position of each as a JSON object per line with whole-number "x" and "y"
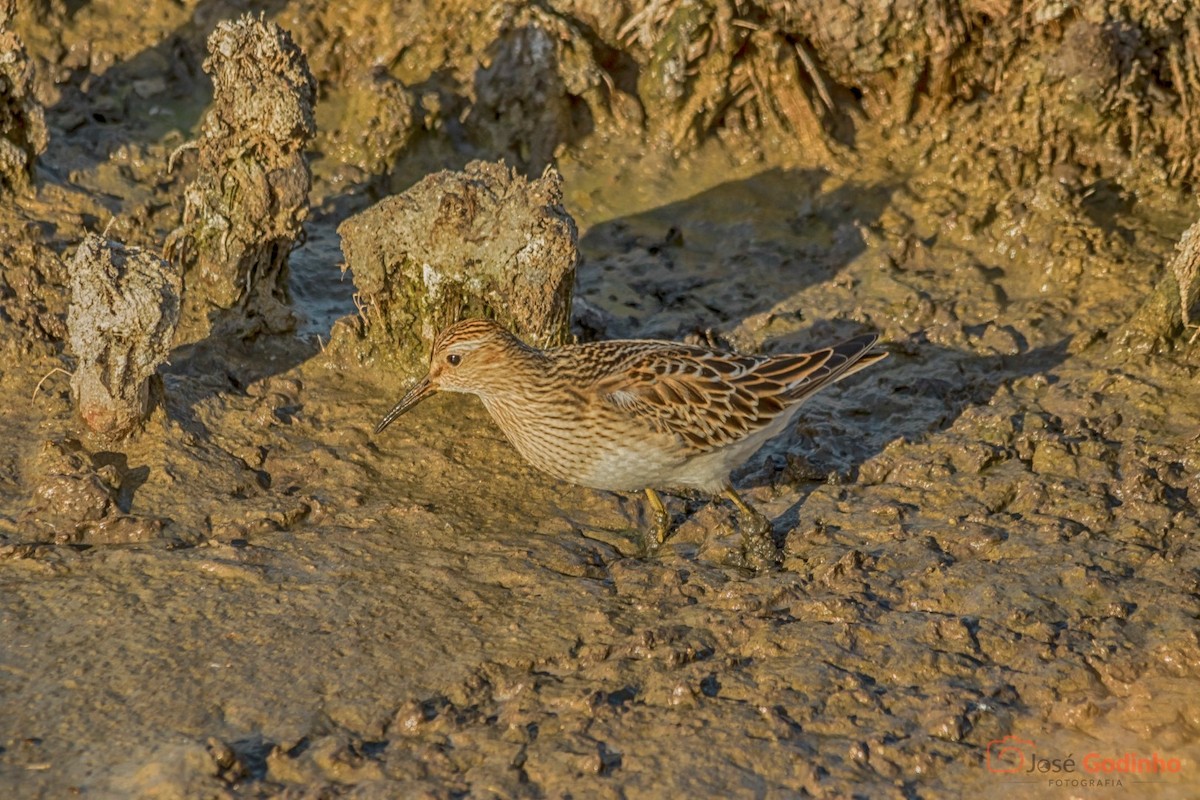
{"x": 629, "y": 464}
{"x": 636, "y": 465}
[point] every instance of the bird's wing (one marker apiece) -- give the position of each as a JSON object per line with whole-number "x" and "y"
{"x": 707, "y": 399}
{"x": 711, "y": 399}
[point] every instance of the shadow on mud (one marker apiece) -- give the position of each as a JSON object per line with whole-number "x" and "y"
{"x": 732, "y": 251}
{"x": 931, "y": 405}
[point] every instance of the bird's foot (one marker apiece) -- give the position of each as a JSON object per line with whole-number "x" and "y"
{"x": 651, "y": 542}
{"x": 653, "y": 538}
{"x": 758, "y": 543}
{"x": 759, "y": 551}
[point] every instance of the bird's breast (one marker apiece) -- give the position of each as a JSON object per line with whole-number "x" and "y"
{"x": 586, "y": 445}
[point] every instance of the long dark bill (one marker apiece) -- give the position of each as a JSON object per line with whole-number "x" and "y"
{"x": 415, "y": 395}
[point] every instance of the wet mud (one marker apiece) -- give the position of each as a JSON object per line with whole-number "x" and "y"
{"x": 989, "y": 535}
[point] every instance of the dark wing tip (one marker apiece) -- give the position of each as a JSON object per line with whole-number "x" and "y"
{"x": 859, "y": 344}
{"x": 854, "y": 354}
{"x": 834, "y": 363}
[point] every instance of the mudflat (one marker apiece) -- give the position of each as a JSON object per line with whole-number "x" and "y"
{"x": 988, "y": 575}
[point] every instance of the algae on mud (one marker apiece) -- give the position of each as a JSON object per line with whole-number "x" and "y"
{"x": 1000, "y": 541}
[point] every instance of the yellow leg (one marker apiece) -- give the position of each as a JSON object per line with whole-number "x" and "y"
{"x": 662, "y": 520}
{"x": 758, "y": 543}
{"x": 741, "y": 504}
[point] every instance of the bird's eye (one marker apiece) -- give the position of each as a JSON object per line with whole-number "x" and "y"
{"x": 453, "y": 359}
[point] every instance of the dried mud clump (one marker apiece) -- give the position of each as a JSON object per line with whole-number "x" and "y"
{"x": 514, "y": 80}
{"x": 1185, "y": 268}
{"x": 378, "y": 122}
{"x": 728, "y": 68}
{"x": 887, "y": 51}
{"x": 245, "y": 212}
{"x": 121, "y": 322}
{"x": 23, "y": 134}
{"x": 484, "y": 242}
{"x": 82, "y": 498}
{"x": 539, "y": 86}
{"x": 33, "y": 295}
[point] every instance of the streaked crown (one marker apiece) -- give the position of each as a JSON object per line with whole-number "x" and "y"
{"x": 475, "y": 355}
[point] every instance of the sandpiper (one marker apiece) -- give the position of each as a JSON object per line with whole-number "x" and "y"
{"x": 634, "y": 415}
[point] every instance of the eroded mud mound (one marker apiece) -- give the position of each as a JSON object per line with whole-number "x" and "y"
{"x": 82, "y": 499}
{"x": 484, "y": 242}
{"x": 120, "y": 326}
{"x": 23, "y": 134}
{"x": 245, "y": 210}
{"x": 34, "y": 288}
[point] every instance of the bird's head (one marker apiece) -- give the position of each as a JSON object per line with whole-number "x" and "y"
{"x": 473, "y": 356}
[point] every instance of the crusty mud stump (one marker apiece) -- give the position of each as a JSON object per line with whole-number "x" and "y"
{"x": 484, "y": 242}
{"x": 23, "y": 134}
{"x": 539, "y": 86}
{"x": 1166, "y": 311}
{"x": 245, "y": 211}
{"x": 122, "y": 319}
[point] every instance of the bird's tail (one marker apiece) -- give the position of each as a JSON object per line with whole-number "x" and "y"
{"x": 840, "y": 361}
{"x": 855, "y": 354}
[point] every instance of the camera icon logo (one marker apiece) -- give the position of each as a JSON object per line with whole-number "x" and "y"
{"x": 1007, "y": 756}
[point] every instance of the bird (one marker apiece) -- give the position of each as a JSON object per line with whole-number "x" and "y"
{"x": 634, "y": 415}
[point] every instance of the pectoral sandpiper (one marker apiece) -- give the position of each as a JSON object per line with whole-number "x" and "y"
{"x": 634, "y": 415}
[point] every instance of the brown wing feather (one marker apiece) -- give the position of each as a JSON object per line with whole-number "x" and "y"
{"x": 685, "y": 395}
{"x": 713, "y": 399}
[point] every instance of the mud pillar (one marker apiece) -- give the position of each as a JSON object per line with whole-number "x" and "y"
{"x": 538, "y": 85}
{"x": 484, "y": 242}
{"x": 245, "y": 211}
{"x": 23, "y": 135}
{"x": 120, "y": 325}
{"x": 1167, "y": 309}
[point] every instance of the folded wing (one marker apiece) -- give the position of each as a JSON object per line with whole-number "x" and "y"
{"x": 710, "y": 400}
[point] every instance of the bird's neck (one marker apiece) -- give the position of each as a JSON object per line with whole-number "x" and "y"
{"x": 522, "y": 381}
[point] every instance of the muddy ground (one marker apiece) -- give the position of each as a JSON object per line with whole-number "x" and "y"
{"x": 990, "y": 534}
